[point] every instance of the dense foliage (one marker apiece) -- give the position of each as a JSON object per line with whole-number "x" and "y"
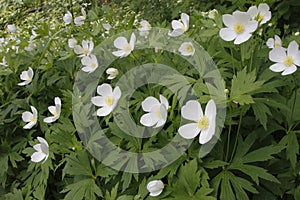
{"x": 255, "y": 151}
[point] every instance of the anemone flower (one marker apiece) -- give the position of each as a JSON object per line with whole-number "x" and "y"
{"x": 90, "y": 63}
{"x": 112, "y": 72}
{"x": 26, "y": 76}
{"x": 30, "y": 117}
{"x": 187, "y": 49}
{"x": 274, "y": 42}
{"x": 86, "y": 48}
{"x": 261, "y": 14}
{"x": 179, "y": 27}
{"x": 78, "y": 21}
{"x": 54, "y": 110}
{"x": 124, "y": 47}
{"x": 42, "y": 151}
{"x": 68, "y": 18}
{"x": 155, "y": 187}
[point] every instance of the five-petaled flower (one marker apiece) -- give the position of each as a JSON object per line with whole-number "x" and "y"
{"x": 145, "y": 28}
{"x": 68, "y": 18}
{"x": 203, "y": 124}
{"x": 286, "y": 60}
{"x": 90, "y": 63}
{"x": 26, "y": 76}
{"x": 179, "y": 27}
{"x": 187, "y": 49}
{"x": 157, "y": 111}
{"x": 42, "y": 151}
{"x": 29, "y": 117}
{"x": 155, "y": 187}
{"x": 261, "y": 14}
{"x": 112, "y": 72}
{"x": 239, "y": 27}
{"x": 124, "y": 47}
{"x": 78, "y": 21}
{"x": 54, "y": 110}
{"x": 274, "y": 42}
{"x": 108, "y": 99}
{"x": 86, "y": 48}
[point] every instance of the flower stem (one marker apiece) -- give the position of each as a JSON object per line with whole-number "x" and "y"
{"x": 232, "y": 59}
{"x": 295, "y": 97}
{"x": 229, "y": 132}
{"x": 242, "y": 54}
{"x": 237, "y": 135}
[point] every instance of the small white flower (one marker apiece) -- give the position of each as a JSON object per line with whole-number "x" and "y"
{"x": 67, "y": 18}
{"x": 86, "y": 48}
{"x": 155, "y": 187}
{"x": 11, "y": 28}
{"x": 26, "y": 76}
{"x": 72, "y": 42}
{"x": 107, "y": 27}
{"x": 239, "y": 27}
{"x": 54, "y": 110}
{"x": 274, "y": 42}
{"x": 145, "y": 28}
{"x": 30, "y": 117}
{"x": 203, "y": 124}
{"x": 157, "y": 111}
{"x": 180, "y": 27}
{"x": 286, "y": 60}
{"x": 78, "y": 21}
{"x": 108, "y": 99}
{"x": 124, "y": 47}
{"x": 212, "y": 14}
{"x": 30, "y": 46}
{"x": 297, "y": 33}
{"x": 90, "y": 63}
{"x": 4, "y": 63}
{"x": 261, "y": 14}
{"x": 187, "y": 49}
{"x": 112, "y": 72}
{"x": 42, "y": 151}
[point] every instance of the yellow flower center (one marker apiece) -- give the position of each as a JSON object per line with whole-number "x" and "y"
{"x": 183, "y": 28}
{"x": 55, "y": 113}
{"x": 31, "y": 119}
{"x": 260, "y": 17}
{"x": 239, "y": 28}
{"x": 85, "y": 51}
{"x": 93, "y": 65}
{"x": 203, "y": 123}
{"x": 288, "y": 61}
{"x": 158, "y": 113}
{"x": 28, "y": 78}
{"x": 127, "y": 48}
{"x": 109, "y": 100}
{"x": 189, "y": 48}
{"x": 276, "y": 44}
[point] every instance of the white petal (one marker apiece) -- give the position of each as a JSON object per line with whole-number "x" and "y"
{"x": 251, "y": 26}
{"x": 37, "y": 147}
{"x": 132, "y": 41}
{"x": 52, "y": 109}
{"x": 164, "y": 114}
{"x": 192, "y": 110}
{"x": 57, "y": 101}
{"x": 88, "y": 69}
{"x": 120, "y": 42}
{"x": 253, "y": 11}
{"x": 78, "y": 49}
{"x": 24, "y": 75}
{"x": 277, "y": 54}
{"x": 29, "y": 125}
{"x": 189, "y": 131}
{"x": 229, "y": 20}
{"x": 105, "y": 90}
{"x": 37, "y": 157}
{"x": 147, "y": 120}
{"x": 185, "y": 19}
{"x": 26, "y": 116}
{"x": 289, "y": 70}
{"x": 277, "y": 67}
{"x": 211, "y": 110}
{"x": 227, "y": 34}
{"x": 176, "y": 32}
{"x": 241, "y": 17}
{"x": 49, "y": 119}
{"x": 292, "y": 48}
{"x": 242, "y": 38}
{"x": 263, "y": 7}
{"x": 149, "y": 102}
{"x": 207, "y": 134}
{"x": 176, "y": 24}
{"x": 120, "y": 53}
{"x": 34, "y": 112}
{"x": 270, "y": 42}
{"x": 117, "y": 93}
{"x": 155, "y": 187}
{"x": 98, "y": 101}
{"x": 24, "y": 83}
{"x": 296, "y": 58}
{"x": 42, "y": 140}
{"x": 164, "y": 101}
{"x": 30, "y": 72}
{"x": 104, "y": 111}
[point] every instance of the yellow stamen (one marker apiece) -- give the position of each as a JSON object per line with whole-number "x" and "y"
{"x": 203, "y": 123}
{"x": 239, "y": 28}
{"x": 31, "y": 119}
{"x": 158, "y": 113}
{"x": 288, "y": 61}
{"x": 28, "y": 78}
{"x": 260, "y": 17}
{"x": 127, "y": 48}
{"x": 93, "y": 65}
{"x": 85, "y": 51}
{"x": 189, "y": 48}
{"x": 277, "y": 44}
{"x": 55, "y": 113}
{"x": 183, "y": 28}
{"x": 109, "y": 100}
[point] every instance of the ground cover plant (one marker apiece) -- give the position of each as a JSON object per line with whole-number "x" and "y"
{"x": 129, "y": 100}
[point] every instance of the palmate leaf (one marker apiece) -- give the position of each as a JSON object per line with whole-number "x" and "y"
{"x": 243, "y": 86}
{"x": 292, "y": 147}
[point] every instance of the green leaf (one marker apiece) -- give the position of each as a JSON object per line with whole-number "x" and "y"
{"x": 292, "y": 147}
{"x": 243, "y": 86}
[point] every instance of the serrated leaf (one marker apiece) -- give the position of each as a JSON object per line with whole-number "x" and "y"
{"x": 292, "y": 147}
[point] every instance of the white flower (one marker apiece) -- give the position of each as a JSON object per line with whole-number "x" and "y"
{"x": 112, "y": 72}
{"x": 80, "y": 19}
{"x": 30, "y": 46}
{"x": 67, "y": 18}
{"x": 239, "y": 27}
{"x": 262, "y": 14}
{"x": 157, "y": 111}
{"x": 54, "y": 110}
{"x": 4, "y": 63}
{"x": 107, "y": 27}
{"x": 125, "y": 47}
{"x": 42, "y": 151}
{"x": 212, "y": 14}
{"x": 180, "y": 27}
{"x": 203, "y": 124}
{"x": 26, "y": 76}
{"x": 72, "y": 42}
{"x": 86, "y": 48}
{"x": 11, "y": 28}
{"x": 274, "y": 42}
{"x": 286, "y": 60}
{"x": 144, "y": 29}
{"x": 90, "y": 63}
{"x": 187, "y": 49}
{"x": 155, "y": 187}
{"x": 30, "y": 117}
{"x": 108, "y": 99}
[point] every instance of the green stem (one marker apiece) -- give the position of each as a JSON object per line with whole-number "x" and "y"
{"x": 229, "y": 132}
{"x": 237, "y": 135}
{"x": 232, "y": 59}
{"x": 251, "y": 59}
{"x": 242, "y": 54}
{"x": 295, "y": 97}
